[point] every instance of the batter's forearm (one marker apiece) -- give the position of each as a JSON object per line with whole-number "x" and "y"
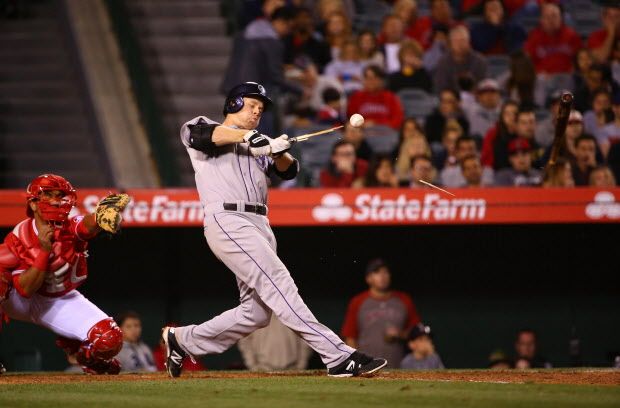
{"x": 284, "y": 162}
{"x": 223, "y": 135}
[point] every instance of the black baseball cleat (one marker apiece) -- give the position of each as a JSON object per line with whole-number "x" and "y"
{"x": 358, "y": 365}
{"x": 174, "y": 352}
{"x": 2, "y": 369}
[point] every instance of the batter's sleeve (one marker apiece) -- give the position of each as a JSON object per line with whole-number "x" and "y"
{"x": 288, "y": 174}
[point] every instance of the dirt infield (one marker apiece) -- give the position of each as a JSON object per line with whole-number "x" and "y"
{"x": 582, "y": 376}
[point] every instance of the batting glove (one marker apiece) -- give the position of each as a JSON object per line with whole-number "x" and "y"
{"x": 279, "y": 145}
{"x": 259, "y": 144}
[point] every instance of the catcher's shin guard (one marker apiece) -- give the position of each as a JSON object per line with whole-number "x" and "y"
{"x": 96, "y": 354}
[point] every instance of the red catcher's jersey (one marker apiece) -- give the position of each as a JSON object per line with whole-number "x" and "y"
{"x": 67, "y": 267}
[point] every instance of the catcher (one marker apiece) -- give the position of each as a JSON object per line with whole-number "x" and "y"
{"x": 43, "y": 262}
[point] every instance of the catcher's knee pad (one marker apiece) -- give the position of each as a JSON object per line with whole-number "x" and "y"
{"x": 105, "y": 340}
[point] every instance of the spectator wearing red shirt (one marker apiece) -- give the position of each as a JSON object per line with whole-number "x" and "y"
{"x": 379, "y": 319}
{"x": 552, "y": 45}
{"x": 344, "y": 167}
{"x": 377, "y": 105}
{"x": 426, "y": 30}
{"x": 601, "y": 42}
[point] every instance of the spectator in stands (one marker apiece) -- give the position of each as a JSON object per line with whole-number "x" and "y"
{"x": 602, "y": 176}
{"x": 552, "y": 46}
{"x": 521, "y": 81}
{"x": 381, "y": 173}
{"x": 452, "y": 176}
{"x": 331, "y": 113}
{"x": 600, "y": 115}
{"x": 378, "y": 105}
{"x": 423, "y": 355}
{"x": 347, "y": 68}
{"x": 495, "y": 143}
{"x": 412, "y": 143}
{"x": 472, "y": 171}
{"x": 585, "y": 159}
{"x": 135, "y": 355}
{"x": 520, "y": 173}
{"x": 392, "y": 34}
{"x": 526, "y": 348}
{"x": 460, "y": 63}
{"x": 344, "y": 168}
{"x": 610, "y": 133}
{"x": 443, "y": 155}
{"x": 582, "y": 64}
{"x": 499, "y": 361}
{"x": 422, "y": 169}
{"x": 379, "y": 319}
{"x": 559, "y": 175}
{"x": 356, "y": 137}
{"x": 337, "y": 32}
{"x": 274, "y": 348}
{"x": 432, "y": 29}
{"x": 306, "y": 42}
{"x": 411, "y": 74}
{"x": 447, "y": 112}
{"x": 484, "y": 112}
{"x": 614, "y": 64}
{"x": 495, "y": 34}
{"x": 613, "y": 160}
{"x": 574, "y": 129}
{"x": 261, "y": 41}
{"x": 314, "y": 85}
{"x": 407, "y": 11}
{"x": 594, "y": 81}
{"x": 601, "y": 42}
{"x": 257, "y": 9}
{"x": 369, "y": 51}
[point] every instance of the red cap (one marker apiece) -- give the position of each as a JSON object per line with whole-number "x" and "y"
{"x": 519, "y": 145}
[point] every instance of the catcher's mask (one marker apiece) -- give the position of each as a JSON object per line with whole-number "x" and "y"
{"x": 234, "y": 100}
{"x": 54, "y": 208}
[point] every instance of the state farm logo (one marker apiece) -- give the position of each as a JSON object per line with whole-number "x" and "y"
{"x": 373, "y": 207}
{"x": 160, "y": 208}
{"x": 604, "y": 205}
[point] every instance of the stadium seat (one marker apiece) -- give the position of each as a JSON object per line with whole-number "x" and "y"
{"x": 382, "y": 139}
{"x": 417, "y": 103}
{"x": 497, "y": 65}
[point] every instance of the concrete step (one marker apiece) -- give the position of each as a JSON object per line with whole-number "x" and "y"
{"x": 62, "y": 104}
{"x": 189, "y": 84}
{"x": 184, "y": 46}
{"x": 186, "y": 105}
{"x": 38, "y": 89}
{"x": 47, "y": 71}
{"x": 40, "y": 25}
{"x": 62, "y": 141}
{"x": 167, "y": 25}
{"x": 30, "y": 41}
{"x": 177, "y": 8}
{"x": 50, "y": 159}
{"x": 189, "y": 65}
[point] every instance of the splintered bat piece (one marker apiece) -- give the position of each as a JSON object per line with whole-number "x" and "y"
{"x": 438, "y": 188}
{"x": 559, "y": 141}
{"x": 307, "y": 136}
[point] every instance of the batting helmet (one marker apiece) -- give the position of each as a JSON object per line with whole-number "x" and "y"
{"x": 50, "y": 182}
{"x": 234, "y": 100}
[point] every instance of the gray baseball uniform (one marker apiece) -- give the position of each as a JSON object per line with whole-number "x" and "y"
{"x": 245, "y": 243}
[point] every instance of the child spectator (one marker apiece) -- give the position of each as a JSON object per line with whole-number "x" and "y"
{"x": 602, "y": 176}
{"x": 369, "y": 52}
{"x": 135, "y": 355}
{"x": 423, "y": 355}
{"x": 411, "y": 73}
{"x": 377, "y": 105}
{"x": 331, "y": 112}
{"x": 344, "y": 168}
{"x": 521, "y": 173}
{"x": 347, "y": 68}
{"x": 496, "y": 35}
{"x": 381, "y": 173}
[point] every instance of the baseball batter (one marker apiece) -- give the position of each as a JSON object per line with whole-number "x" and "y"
{"x": 43, "y": 262}
{"x": 231, "y": 161}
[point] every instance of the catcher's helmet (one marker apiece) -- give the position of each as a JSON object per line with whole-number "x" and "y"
{"x": 234, "y": 100}
{"x": 58, "y": 212}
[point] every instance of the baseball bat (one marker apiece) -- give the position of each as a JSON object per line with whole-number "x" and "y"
{"x": 559, "y": 141}
{"x": 307, "y": 136}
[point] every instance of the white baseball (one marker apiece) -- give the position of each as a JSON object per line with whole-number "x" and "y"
{"x": 356, "y": 120}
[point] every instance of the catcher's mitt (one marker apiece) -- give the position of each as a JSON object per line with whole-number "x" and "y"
{"x": 108, "y": 212}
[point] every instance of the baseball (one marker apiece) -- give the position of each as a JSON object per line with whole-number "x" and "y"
{"x": 356, "y": 120}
